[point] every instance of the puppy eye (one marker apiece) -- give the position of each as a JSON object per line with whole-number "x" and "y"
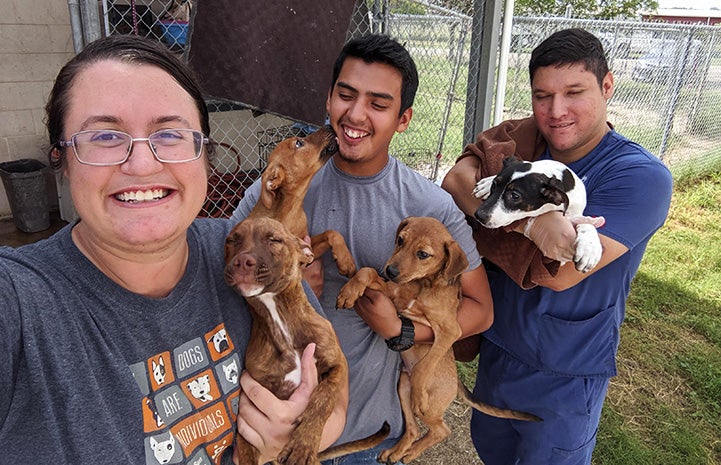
{"x": 275, "y": 239}
{"x": 299, "y": 143}
{"x": 515, "y": 196}
{"x": 422, "y": 254}
{"x": 399, "y": 241}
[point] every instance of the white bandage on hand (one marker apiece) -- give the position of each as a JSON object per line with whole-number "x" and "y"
{"x": 553, "y": 233}
{"x": 556, "y": 235}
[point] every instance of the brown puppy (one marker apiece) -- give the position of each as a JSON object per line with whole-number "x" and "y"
{"x": 264, "y": 263}
{"x": 425, "y": 286}
{"x": 285, "y": 181}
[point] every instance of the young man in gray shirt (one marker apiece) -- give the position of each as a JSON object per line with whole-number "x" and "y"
{"x": 364, "y": 193}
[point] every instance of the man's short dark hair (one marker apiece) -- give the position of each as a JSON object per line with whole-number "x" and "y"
{"x": 379, "y": 48}
{"x": 568, "y": 47}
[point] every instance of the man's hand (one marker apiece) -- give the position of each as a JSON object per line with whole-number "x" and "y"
{"x": 554, "y": 233}
{"x": 267, "y": 422}
{"x": 378, "y": 311}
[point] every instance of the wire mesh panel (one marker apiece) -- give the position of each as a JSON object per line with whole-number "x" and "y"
{"x": 439, "y": 39}
{"x": 667, "y": 83}
{"x": 667, "y": 77}
{"x": 165, "y": 20}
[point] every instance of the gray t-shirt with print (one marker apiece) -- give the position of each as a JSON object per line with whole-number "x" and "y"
{"x": 91, "y": 373}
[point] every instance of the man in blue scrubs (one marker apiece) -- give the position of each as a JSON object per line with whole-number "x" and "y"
{"x": 551, "y": 349}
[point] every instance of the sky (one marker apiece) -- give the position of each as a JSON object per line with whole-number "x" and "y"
{"x": 695, "y": 4}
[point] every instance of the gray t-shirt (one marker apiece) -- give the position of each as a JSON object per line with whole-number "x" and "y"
{"x": 367, "y": 211}
{"x": 91, "y": 373}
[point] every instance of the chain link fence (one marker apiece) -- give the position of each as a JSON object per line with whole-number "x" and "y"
{"x": 439, "y": 40}
{"x": 668, "y": 85}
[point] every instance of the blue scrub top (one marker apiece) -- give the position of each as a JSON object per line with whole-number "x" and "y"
{"x": 576, "y": 332}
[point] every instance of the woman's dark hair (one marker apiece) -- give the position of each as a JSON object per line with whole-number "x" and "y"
{"x": 567, "y": 47}
{"x": 127, "y": 49}
{"x": 379, "y": 48}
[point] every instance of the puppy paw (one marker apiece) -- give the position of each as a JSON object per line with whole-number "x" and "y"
{"x": 348, "y": 295}
{"x": 297, "y": 453}
{"x": 393, "y": 455}
{"x": 345, "y": 267}
{"x": 483, "y": 188}
{"x": 588, "y": 248}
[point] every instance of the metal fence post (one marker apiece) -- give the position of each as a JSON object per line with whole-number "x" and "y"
{"x": 91, "y": 20}
{"x": 76, "y": 25}
{"x": 484, "y": 46}
{"x": 675, "y": 93}
{"x": 84, "y": 22}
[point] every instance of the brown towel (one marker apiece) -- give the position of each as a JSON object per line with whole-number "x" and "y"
{"x": 512, "y": 252}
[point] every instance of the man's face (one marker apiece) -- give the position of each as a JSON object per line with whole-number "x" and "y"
{"x": 570, "y": 109}
{"x": 363, "y": 108}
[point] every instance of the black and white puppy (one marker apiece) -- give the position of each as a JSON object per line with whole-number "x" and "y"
{"x": 525, "y": 189}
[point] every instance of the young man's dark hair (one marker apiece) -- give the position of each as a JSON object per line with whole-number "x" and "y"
{"x": 379, "y": 48}
{"x": 567, "y": 47}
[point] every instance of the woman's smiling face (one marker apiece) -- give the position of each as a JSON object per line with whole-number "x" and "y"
{"x": 141, "y": 203}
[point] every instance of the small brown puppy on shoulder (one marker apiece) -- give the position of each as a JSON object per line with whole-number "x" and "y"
{"x": 424, "y": 283}
{"x": 285, "y": 181}
{"x": 264, "y": 263}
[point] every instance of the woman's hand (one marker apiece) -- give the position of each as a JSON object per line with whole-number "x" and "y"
{"x": 267, "y": 422}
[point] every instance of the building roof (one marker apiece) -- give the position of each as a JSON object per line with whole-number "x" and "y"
{"x": 683, "y": 15}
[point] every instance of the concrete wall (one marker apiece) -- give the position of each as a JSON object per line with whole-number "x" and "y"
{"x": 35, "y": 41}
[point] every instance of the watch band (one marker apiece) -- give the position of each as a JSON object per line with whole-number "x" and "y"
{"x": 405, "y": 340}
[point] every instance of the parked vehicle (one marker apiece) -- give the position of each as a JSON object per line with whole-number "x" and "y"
{"x": 666, "y": 57}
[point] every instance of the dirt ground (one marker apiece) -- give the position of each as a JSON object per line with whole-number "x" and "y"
{"x": 457, "y": 449}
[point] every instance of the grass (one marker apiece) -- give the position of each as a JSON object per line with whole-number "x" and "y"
{"x": 666, "y": 401}
{"x": 664, "y": 407}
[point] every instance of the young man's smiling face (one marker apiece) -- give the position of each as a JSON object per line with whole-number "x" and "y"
{"x": 363, "y": 107}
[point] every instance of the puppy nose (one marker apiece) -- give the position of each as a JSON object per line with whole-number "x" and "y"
{"x": 244, "y": 261}
{"x": 481, "y": 216}
{"x": 391, "y": 272}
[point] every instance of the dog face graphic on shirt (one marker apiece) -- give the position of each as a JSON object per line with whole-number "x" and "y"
{"x": 200, "y": 388}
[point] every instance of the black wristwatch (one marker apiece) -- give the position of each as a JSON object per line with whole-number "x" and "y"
{"x": 405, "y": 340}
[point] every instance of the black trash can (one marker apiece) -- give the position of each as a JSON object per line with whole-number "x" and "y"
{"x": 24, "y": 182}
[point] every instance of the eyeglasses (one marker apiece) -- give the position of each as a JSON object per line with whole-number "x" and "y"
{"x": 105, "y": 147}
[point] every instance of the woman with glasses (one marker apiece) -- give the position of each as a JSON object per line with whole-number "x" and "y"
{"x": 120, "y": 340}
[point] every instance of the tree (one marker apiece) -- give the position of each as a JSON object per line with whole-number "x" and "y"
{"x": 590, "y": 9}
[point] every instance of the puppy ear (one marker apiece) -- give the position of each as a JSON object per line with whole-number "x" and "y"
{"x": 275, "y": 179}
{"x": 553, "y": 192}
{"x": 306, "y": 255}
{"x": 402, "y": 225}
{"x": 511, "y": 160}
{"x": 456, "y": 261}
{"x": 272, "y": 180}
